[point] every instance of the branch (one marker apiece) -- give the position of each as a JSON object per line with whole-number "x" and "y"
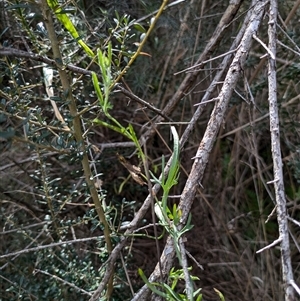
{"x": 255, "y": 37}
{"x": 274, "y": 243}
{"x": 287, "y": 272}
{"x": 142, "y": 102}
{"x": 7, "y": 51}
{"x": 68, "y": 242}
{"x": 295, "y": 286}
{"x": 63, "y": 281}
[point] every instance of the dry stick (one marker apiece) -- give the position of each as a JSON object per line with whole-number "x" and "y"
{"x": 7, "y": 51}
{"x": 77, "y": 129}
{"x": 287, "y": 272}
{"x": 292, "y": 12}
{"x": 55, "y": 244}
{"x": 66, "y": 283}
{"x": 263, "y": 61}
{"x": 190, "y": 78}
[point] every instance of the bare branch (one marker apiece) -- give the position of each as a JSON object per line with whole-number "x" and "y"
{"x": 68, "y": 242}
{"x": 295, "y": 286}
{"x": 287, "y": 272}
{"x": 63, "y": 281}
{"x": 274, "y": 243}
{"x": 6, "y": 51}
{"x": 188, "y": 82}
{"x": 255, "y": 37}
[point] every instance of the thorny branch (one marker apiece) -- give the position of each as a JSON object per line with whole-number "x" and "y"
{"x": 287, "y": 272}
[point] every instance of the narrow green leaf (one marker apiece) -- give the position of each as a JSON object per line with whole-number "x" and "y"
{"x": 55, "y": 98}
{"x": 67, "y": 23}
{"x": 97, "y": 87}
{"x": 219, "y": 294}
{"x": 199, "y": 298}
{"x": 101, "y": 61}
{"x": 86, "y": 48}
{"x": 139, "y": 27}
{"x": 172, "y": 294}
{"x": 151, "y": 285}
{"x": 174, "y": 168}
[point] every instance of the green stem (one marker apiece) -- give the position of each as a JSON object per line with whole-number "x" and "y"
{"x": 133, "y": 58}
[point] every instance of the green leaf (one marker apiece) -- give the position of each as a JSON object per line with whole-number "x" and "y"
{"x": 172, "y": 294}
{"x": 55, "y": 98}
{"x": 97, "y": 87}
{"x": 199, "y": 298}
{"x": 222, "y": 298}
{"x": 101, "y": 61}
{"x": 67, "y": 23}
{"x": 139, "y": 27}
{"x": 151, "y": 285}
{"x": 187, "y": 227}
{"x": 174, "y": 168}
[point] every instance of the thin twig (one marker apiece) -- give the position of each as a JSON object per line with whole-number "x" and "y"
{"x": 204, "y": 62}
{"x": 294, "y": 221}
{"x": 142, "y": 102}
{"x": 7, "y": 51}
{"x": 25, "y": 227}
{"x": 255, "y": 37}
{"x": 68, "y": 242}
{"x": 274, "y": 243}
{"x": 194, "y": 259}
{"x": 62, "y": 280}
{"x": 156, "y": 11}
{"x": 295, "y": 286}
